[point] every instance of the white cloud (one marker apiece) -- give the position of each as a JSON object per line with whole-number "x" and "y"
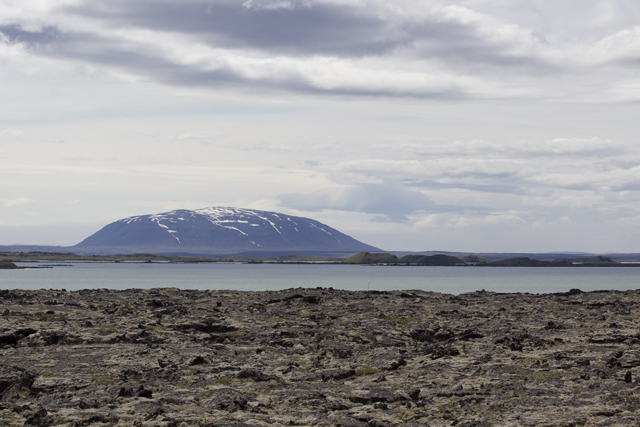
{"x": 11, "y": 134}
{"x": 391, "y": 202}
{"x": 7, "y": 203}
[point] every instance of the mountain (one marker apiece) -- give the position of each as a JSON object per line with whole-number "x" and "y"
{"x": 219, "y": 230}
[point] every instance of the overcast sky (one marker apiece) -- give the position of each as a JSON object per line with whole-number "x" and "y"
{"x": 478, "y": 125}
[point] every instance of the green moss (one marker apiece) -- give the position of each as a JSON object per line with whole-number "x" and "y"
{"x": 367, "y": 371}
{"x": 408, "y": 320}
{"x": 410, "y": 413}
{"x": 102, "y": 379}
{"x": 532, "y": 361}
{"x": 47, "y": 374}
{"x": 448, "y": 406}
{"x": 49, "y": 315}
{"x": 226, "y": 381}
{"x": 299, "y": 362}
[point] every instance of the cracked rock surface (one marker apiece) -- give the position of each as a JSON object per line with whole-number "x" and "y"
{"x": 169, "y": 357}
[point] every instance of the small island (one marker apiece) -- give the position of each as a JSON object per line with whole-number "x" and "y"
{"x": 7, "y": 265}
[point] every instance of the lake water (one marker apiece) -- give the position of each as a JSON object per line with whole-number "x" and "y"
{"x": 260, "y": 277}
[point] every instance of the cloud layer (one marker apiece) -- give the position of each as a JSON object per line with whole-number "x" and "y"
{"x": 430, "y": 49}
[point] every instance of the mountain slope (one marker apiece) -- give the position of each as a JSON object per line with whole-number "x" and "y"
{"x": 219, "y": 230}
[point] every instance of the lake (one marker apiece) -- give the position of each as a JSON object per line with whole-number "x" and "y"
{"x": 260, "y": 277}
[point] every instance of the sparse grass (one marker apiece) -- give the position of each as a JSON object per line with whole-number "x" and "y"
{"x": 409, "y": 413}
{"x": 368, "y": 371}
{"x": 49, "y": 315}
{"x": 226, "y": 380}
{"x": 299, "y": 362}
{"x": 532, "y": 361}
{"x": 448, "y": 406}
{"x": 102, "y": 379}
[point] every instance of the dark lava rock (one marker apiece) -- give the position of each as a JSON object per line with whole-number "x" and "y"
{"x": 39, "y": 419}
{"x": 255, "y": 375}
{"x": 142, "y": 392}
{"x": 440, "y": 351}
{"x": 15, "y": 336}
{"x": 338, "y": 375}
{"x": 166, "y": 357}
{"x": 14, "y": 380}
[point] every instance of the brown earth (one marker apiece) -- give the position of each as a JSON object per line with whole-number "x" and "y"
{"x": 168, "y": 357}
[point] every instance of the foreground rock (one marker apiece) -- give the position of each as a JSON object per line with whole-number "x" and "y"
{"x": 166, "y": 357}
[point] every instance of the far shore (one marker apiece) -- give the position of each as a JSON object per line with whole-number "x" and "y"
{"x": 8, "y": 260}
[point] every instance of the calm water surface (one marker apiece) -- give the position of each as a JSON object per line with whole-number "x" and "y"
{"x": 258, "y": 277}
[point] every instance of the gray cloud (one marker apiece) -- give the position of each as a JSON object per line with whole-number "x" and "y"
{"x": 391, "y": 202}
{"x": 484, "y": 188}
{"x": 628, "y": 186}
{"x": 435, "y": 52}
{"x": 300, "y": 30}
{"x": 312, "y": 28}
{"x": 46, "y": 36}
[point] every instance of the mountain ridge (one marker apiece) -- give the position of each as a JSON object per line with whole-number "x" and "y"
{"x": 218, "y": 230}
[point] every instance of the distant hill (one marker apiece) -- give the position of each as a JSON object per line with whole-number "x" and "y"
{"x": 219, "y": 230}
{"x": 369, "y": 258}
{"x": 387, "y": 258}
{"x": 434, "y": 260}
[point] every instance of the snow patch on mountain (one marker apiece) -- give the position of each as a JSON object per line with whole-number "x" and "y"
{"x": 223, "y": 229}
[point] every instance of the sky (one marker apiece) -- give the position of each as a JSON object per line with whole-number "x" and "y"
{"x": 477, "y": 125}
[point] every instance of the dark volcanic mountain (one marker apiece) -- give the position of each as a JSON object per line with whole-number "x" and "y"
{"x": 218, "y": 230}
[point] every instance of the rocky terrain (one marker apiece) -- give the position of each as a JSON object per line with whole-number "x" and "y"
{"x": 305, "y": 357}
